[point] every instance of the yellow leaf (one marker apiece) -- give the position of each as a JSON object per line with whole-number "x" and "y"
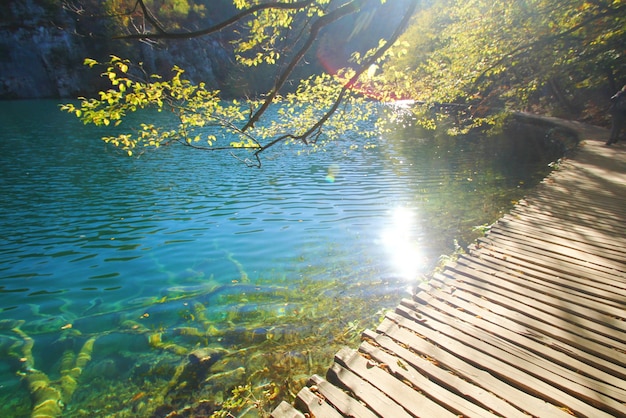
{"x": 90, "y": 62}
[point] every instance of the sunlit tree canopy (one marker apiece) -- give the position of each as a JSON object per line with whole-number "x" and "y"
{"x": 467, "y": 61}
{"x": 277, "y": 34}
{"x": 496, "y": 55}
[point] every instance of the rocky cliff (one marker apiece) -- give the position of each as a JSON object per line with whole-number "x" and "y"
{"x": 43, "y": 45}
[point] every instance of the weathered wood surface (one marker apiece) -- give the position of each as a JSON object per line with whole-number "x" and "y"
{"x": 532, "y": 322}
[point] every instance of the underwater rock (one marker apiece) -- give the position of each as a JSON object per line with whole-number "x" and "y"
{"x": 228, "y": 363}
{"x": 197, "y": 367}
{"x": 226, "y": 380}
{"x": 205, "y": 357}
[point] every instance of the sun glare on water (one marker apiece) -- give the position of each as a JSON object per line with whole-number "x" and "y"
{"x": 400, "y": 242}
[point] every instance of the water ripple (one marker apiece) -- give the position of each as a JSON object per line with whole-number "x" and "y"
{"x": 89, "y": 234}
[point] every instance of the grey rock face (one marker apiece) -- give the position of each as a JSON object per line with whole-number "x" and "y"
{"x": 43, "y": 46}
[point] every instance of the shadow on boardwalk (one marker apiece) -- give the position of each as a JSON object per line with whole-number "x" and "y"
{"x": 531, "y": 322}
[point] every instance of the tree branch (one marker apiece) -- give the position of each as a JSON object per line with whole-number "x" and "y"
{"x": 149, "y": 16}
{"x": 366, "y": 64}
{"x": 211, "y": 29}
{"x": 345, "y": 10}
{"x": 348, "y": 85}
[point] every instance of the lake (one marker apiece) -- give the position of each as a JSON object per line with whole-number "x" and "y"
{"x": 136, "y": 286}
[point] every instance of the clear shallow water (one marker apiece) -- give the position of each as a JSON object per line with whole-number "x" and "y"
{"x": 273, "y": 268}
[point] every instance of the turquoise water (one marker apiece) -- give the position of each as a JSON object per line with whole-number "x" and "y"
{"x": 272, "y": 269}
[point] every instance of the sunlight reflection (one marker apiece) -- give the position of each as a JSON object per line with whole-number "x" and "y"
{"x": 399, "y": 240}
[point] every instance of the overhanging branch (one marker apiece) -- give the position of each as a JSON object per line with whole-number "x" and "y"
{"x": 163, "y": 34}
{"x": 344, "y": 10}
{"x": 366, "y": 64}
{"x": 348, "y": 85}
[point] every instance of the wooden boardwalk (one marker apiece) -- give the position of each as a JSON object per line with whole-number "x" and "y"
{"x": 532, "y": 322}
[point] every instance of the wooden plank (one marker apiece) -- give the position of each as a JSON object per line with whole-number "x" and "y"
{"x": 573, "y": 218}
{"x": 552, "y": 224}
{"x": 552, "y": 360}
{"x": 438, "y": 375}
{"x": 539, "y": 203}
{"x": 534, "y": 322}
{"x": 408, "y": 397}
{"x": 613, "y": 303}
{"x": 534, "y": 208}
{"x": 344, "y": 403}
{"x": 577, "y": 254}
{"x": 606, "y": 370}
{"x": 587, "y": 285}
{"x": 605, "y": 233}
{"x": 405, "y": 371}
{"x": 488, "y": 262}
{"x": 555, "y": 376}
{"x": 579, "y": 202}
{"x": 557, "y": 264}
{"x": 569, "y": 201}
{"x": 553, "y": 295}
{"x": 535, "y": 236}
{"x": 561, "y": 228}
{"x": 455, "y": 362}
{"x": 574, "y": 232}
{"x": 610, "y": 270}
{"x": 315, "y": 404}
{"x": 542, "y": 328}
{"x": 583, "y": 316}
{"x": 376, "y": 400}
{"x": 576, "y": 189}
{"x": 284, "y": 410}
{"x": 530, "y": 307}
{"x": 518, "y": 370}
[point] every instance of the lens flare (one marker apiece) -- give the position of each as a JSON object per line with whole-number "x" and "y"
{"x": 332, "y": 173}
